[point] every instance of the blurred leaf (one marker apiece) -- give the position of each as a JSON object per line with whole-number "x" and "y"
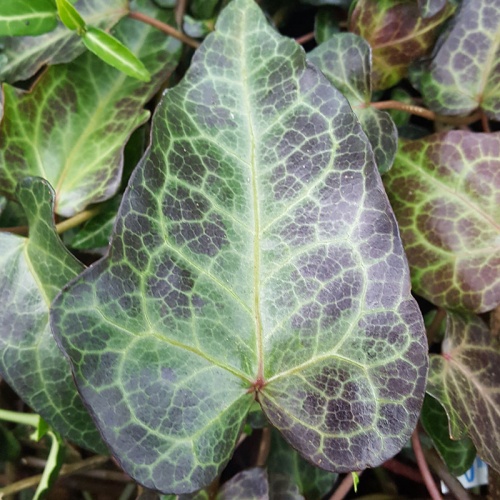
{"x": 444, "y": 190}
{"x": 203, "y": 9}
{"x": 70, "y": 16}
{"x": 54, "y": 463}
{"x": 114, "y": 53}
{"x": 255, "y": 255}
{"x": 27, "y": 17}
{"x": 24, "y": 56}
{"x": 397, "y": 35}
{"x": 282, "y": 487}
{"x": 326, "y": 24}
{"x": 10, "y": 449}
{"x": 400, "y": 118}
{"x": 463, "y": 72}
{"x": 458, "y": 455}
{"x": 32, "y": 271}
{"x": 345, "y": 60}
{"x": 465, "y": 379}
{"x": 338, "y": 3}
{"x": 82, "y": 156}
{"x": 429, "y": 8}
{"x": 251, "y": 484}
{"x": 312, "y": 482}
{"x": 197, "y": 29}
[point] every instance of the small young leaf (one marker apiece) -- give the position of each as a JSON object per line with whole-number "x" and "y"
{"x": 355, "y": 481}
{"x": 113, "y": 52}
{"x": 32, "y": 271}
{"x": 458, "y": 454}
{"x": 24, "y": 56}
{"x": 70, "y": 16}
{"x": 465, "y": 379}
{"x": 255, "y": 256}
{"x": 27, "y": 17}
{"x": 444, "y": 190}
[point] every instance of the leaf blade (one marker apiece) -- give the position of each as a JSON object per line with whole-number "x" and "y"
{"x": 23, "y": 18}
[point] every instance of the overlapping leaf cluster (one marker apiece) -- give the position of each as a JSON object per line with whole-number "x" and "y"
{"x": 255, "y": 257}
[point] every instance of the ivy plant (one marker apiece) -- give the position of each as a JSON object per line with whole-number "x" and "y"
{"x": 208, "y": 252}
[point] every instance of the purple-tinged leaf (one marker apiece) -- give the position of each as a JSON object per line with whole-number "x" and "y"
{"x": 251, "y": 484}
{"x": 464, "y": 72}
{"x": 397, "y": 35}
{"x": 465, "y": 379}
{"x": 445, "y": 192}
{"x": 255, "y": 257}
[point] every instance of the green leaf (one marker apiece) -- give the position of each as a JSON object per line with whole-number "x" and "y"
{"x": 283, "y": 460}
{"x": 24, "y": 56}
{"x": 465, "y": 379}
{"x": 325, "y": 24}
{"x": 355, "y": 481}
{"x": 397, "y": 35}
{"x": 32, "y": 271}
{"x": 250, "y": 484}
{"x": 27, "y": 17}
{"x": 443, "y": 189}
{"x": 82, "y": 157}
{"x": 54, "y": 463}
{"x": 345, "y": 59}
{"x": 459, "y": 454}
{"x": 114, "y": 53}
{"x": 463, "y": 73}
{"x": 70, "y": 16}
{"x": 10, "y": 448}
{"x": 429, "y": 8}
{"x": 203, "y": 9}
{"x": 195, "y": 28}
{"x": 255, "y": 256}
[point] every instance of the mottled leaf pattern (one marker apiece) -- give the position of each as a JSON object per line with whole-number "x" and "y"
{"x": 464, "y": 73}
{"x": 24, "y": 56}
{"x": 255, "y": 256}
{"x": 345, "y": 59}
{"x": 250, "y": 484}
{"x": 465, "y": 379}
{"x": 445, "y": 191}
{"x": 311, "y": 481}
{"x": 82, "y": 156}
{"x": 397, "y": 35}
{"x": 32, "y": 271}
{"x": 458, "y": 454}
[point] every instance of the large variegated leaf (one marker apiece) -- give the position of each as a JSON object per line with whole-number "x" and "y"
{"x": 82, "y": 156}
{"x": 255, "y": 256}
{"x": 32, "y": 271}
{"x": 444, "y": 190}
{"x": 22, "y": 57}
{"x": 465, "y": 379}
{"x": 345, "y": 59}
{"x": 397, "y": 35}
{"x": 464, "y": 73}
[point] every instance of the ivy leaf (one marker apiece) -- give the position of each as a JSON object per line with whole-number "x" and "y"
{"x": 284, "y": 461}
{"x": 465, "y": 379}
{"x": 345, "y": 59}
{"x": 463, "y": 72}
{"x": 326, "y": 24}
{"x": 443, "y": 189}
{"x": 70, "y": 16}
{"x": 114, "y": 53}
{"x": 26, "y": 17}
{"x": 250, "y": 484}
{"x": 397, "y": 35}
{"x": 32, "y": 271}
{"x": 429, "y": 8}
{"x": 24, "y": 56}
{"x": 203, "y": 9}
{"x": 255, "y": 256}
{"x": 458, "y": 454}
{"x": 83, "y": 156}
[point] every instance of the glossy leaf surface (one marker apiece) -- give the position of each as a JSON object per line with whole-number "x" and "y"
{"x": 464, "y": 73}
{"x": 27, "y": 17}
{"x": 465, "y": 379}
{"x": 26, "y": 55}
{"x": 445, "y": 190}
{"x": 283, "y": 460}
{"x": 113, "y": 52}
{"x": 32, "y": 271}
{"x": 457, "y": 454}
{"x": 397, "y": 35}
{"x": 345, "y": 59}
{"x": 255, "y": 256}
{"x": 82, "y": 157}
{"x": 70, "y": 16}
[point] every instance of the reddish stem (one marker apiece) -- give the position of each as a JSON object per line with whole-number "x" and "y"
{"x": 404, "y": 470}
{"x": 344, "y": 487}
{"x": 305, "y": 38}
{"x": 424, "y": 468}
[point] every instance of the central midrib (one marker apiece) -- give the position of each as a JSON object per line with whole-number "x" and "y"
{"x": 256, "y": 218}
